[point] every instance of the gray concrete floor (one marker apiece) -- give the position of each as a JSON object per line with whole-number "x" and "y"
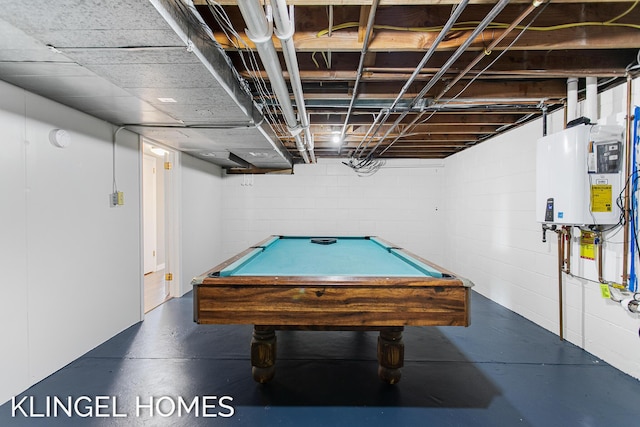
{"x": 501, "y": 371}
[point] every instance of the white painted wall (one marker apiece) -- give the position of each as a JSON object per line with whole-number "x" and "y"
{"x": 493, "y": 238}
{"x": 402, "y": 203}
{"x": 201, "y": 218}
{"x": 72, "y": 264}
{"x": 71, "y": 273}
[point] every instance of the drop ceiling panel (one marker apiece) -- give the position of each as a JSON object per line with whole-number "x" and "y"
{"x": 155, "y": 75}
{"x": 15, "y": 45}
{"x": 114, "y": 59}
{"x": 107, "y": 23}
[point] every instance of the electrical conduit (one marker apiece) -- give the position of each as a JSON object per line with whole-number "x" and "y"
{"x": 488, "y": 49}
{"x": 363, "y": 54}
{"x": 461, "y": 49}
{"x": 443, "y": 33}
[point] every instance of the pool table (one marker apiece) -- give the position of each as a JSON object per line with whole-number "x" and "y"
{"x": 329, "y": 283}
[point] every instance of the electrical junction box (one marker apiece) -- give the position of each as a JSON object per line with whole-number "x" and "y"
{"x": 579, "y": 175}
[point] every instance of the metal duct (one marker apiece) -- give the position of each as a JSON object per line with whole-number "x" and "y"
{"x": 259, "y": 32}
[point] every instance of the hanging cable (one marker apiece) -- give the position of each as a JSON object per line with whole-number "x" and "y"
{"x": 470, "y": 25}
{"x": 633, "y": 216}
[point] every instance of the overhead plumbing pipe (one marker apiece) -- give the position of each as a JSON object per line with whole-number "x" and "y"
{"x": 572, "y": 98}
{"x": 284, "y": 30}
{"x": 259, "y": 32}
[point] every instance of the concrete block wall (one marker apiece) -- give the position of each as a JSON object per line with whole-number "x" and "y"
{"x": 494, "y": 240}
{"x": 403, "y": 203}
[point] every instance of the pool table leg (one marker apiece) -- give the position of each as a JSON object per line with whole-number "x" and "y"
{"x": 263, "y": 353}
{"x": 390, "y": 354}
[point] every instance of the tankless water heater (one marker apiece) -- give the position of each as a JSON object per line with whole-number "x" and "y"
{"x": 579, "y": 175}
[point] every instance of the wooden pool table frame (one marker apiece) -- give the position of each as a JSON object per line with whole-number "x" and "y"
{"x": 384, "y": 304}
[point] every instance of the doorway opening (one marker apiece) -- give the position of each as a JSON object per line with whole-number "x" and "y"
{"x": 156, "y": 188}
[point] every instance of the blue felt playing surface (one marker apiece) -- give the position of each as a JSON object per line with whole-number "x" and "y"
{"x": 298, "y": 256}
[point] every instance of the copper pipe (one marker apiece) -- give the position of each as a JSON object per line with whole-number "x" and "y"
{"x": 568, "y": 257}
{"x": 600, "y": 258}
{"x": 563, "y": 258}
{"x": 560, "y": 296}
{"x": 627, "y": 171}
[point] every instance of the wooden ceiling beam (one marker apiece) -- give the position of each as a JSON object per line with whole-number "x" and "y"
{"x": 499, "y": 89}
{"x": 458, "y": 119}
{"x": 582, "y": 38}
{"x": 571, "y": 38}
{"x": 380, "y": 75}
{"x": 355, "y": 139}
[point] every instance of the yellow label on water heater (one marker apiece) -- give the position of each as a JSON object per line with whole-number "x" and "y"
{"x": 601, "y": 198}
{"x": 587, "y": 245}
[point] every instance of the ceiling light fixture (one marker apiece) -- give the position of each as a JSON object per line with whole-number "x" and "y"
{"x": 158, "y": 151}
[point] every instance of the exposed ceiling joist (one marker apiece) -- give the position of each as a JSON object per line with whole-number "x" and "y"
{"x": 116, "y": 60}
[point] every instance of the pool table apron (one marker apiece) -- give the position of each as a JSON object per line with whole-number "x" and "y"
{"x": 335, "y": 303}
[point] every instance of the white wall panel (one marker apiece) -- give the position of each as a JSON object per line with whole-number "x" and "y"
{"x": 13, "y": 245}
{"x": 202, "y": 219}
{"x": 77, "y": 277}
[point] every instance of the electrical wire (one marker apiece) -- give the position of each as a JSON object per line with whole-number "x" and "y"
{"x": 497, "y": 8}
{"x": 633, "y": 214}
{"x": 470, "y": 25}
{"x": 506, "y": 49}
{"x": 113, "y": 148}
{"x": 251, "y": 65}
{"x": 198, "y": 28}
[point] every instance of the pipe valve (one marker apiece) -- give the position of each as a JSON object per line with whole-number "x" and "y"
{"x": 546, "y": 227}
